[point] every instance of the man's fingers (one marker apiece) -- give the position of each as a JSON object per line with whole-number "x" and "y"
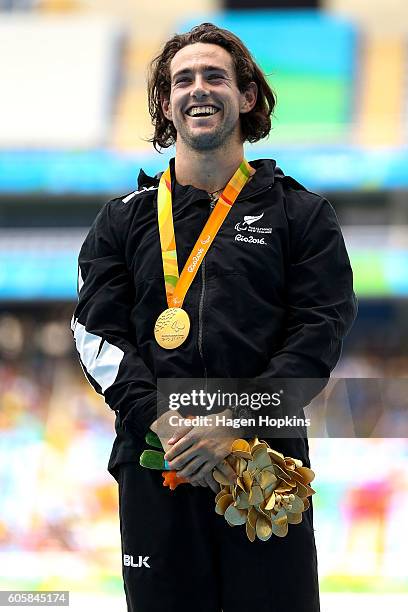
{"x": 179, "y": 433}
{"x": 191, "y": 468}
{"x": 203, "y": 472}
{"x": 213, "y": 484}
{"x": 177, "y": 448}
{"x": 226, "y": 469}
{"x": 206, "y": 481}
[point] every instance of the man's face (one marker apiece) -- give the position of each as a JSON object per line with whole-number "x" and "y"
{"x": 205, "y": 102}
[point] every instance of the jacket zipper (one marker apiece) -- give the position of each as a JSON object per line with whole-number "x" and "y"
{"x": 202, "y": 294}
{"x": 201, "y": 309}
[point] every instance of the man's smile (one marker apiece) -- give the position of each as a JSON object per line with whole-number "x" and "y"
{"x": 202, "y": 111}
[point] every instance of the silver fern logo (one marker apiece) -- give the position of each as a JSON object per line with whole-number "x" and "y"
{"x": 248, "y": 225}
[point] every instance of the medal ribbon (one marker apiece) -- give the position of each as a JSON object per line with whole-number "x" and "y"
{"x": 177, "y": 286}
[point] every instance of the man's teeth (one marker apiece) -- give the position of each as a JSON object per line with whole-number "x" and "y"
{"x": 202, "y": 110}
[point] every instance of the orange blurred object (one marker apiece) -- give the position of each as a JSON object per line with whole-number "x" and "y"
{"x": 172, "y": 480}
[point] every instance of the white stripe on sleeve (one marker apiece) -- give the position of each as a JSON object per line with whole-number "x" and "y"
{"x": 80, "y": 280}
{"x": 103, "y": 367}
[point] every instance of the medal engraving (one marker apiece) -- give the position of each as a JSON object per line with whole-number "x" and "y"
{"x": 172, "y": 328}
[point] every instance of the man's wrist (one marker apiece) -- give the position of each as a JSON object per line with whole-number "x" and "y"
{"x": 234, "y": 413}
{"x": 161, "y": 425}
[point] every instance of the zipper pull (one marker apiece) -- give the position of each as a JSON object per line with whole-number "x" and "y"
{"x": 213, "y": 201}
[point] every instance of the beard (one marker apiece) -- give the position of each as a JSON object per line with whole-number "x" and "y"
{"x": 205, "y": 141}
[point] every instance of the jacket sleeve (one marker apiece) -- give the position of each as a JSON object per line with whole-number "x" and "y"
{"x": 321, "y": 304}
{"x": 100, "y": 324}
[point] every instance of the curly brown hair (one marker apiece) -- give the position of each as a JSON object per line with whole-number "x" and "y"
{"x": 255, "y": 124}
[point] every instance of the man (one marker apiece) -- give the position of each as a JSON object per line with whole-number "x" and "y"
{"x": 273, "y": 304}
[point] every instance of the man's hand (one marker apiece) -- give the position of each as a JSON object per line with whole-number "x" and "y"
{"x": 164, "y": 431}
{"x": 208, "y": 480}
{"x": 194, "y": 451}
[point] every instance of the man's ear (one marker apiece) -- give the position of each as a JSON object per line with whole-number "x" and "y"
{"x": 166, "y": 108}
{"x": 249, "y": 97}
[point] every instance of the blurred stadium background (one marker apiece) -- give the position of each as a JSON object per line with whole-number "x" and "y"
{"x": 73, "y": 129}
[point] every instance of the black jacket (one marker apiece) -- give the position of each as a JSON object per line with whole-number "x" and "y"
{"x": 268, "y": 304}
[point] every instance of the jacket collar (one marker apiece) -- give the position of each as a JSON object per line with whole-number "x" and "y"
{"x": 264, "y": 177}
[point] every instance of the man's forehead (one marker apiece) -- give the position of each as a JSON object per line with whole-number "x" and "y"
{"x": 201, "y": 56}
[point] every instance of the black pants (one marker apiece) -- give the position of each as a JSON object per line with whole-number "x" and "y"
{"x": 180, "y": 556}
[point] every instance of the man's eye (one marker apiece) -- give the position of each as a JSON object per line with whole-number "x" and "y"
{"x": 215, "y": 76}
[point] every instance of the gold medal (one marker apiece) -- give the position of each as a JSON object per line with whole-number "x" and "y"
{"x": 171, "y": 328}
{"x": 173, "y": 325}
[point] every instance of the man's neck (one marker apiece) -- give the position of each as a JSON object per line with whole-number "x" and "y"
{"x": 207, "y": 170}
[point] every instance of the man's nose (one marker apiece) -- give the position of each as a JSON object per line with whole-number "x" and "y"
{"x": 200, "y": 88}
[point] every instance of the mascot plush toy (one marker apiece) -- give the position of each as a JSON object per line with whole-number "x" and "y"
{"x": 154, "y": 459}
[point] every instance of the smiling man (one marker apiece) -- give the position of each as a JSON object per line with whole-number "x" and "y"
{"x": 207, "y": 123}
{"x": 219, "y": 268}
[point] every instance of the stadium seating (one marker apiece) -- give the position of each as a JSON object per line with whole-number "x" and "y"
{"x": 310, "y": 60}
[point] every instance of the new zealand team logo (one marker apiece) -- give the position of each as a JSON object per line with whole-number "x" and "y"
{"x": 248, "y": 225}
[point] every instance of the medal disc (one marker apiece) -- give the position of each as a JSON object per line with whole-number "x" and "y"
{"x": 171, "y": 328}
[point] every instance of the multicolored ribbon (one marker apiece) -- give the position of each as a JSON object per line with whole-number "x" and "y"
{"x": 178, "y": 285}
